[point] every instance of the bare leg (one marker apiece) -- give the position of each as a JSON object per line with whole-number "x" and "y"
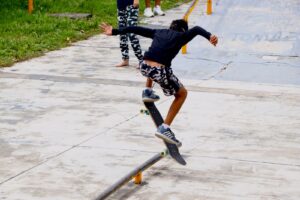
{"x": 148, "y": 4}
{"x": 157, "y": 9}
{"x": 149, "y": 83}
{"x": 180, "y": 97}
{"x": 157, "y": 2}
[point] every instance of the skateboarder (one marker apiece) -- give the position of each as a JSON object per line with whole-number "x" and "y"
{"x": 157, "y": 65}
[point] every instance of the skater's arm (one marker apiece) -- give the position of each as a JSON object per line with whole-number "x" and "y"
{"x": 146, "y": 32}
{"x": 197, "y": 30}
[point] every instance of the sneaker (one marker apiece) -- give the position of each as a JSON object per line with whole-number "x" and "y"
{"x": 157, "y": 11}
{"x": 148, "y": 12}
{"x": 167, "y": 135}
{"x": 149, "y": 96}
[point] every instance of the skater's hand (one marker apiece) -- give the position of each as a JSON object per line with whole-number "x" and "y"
{"x": 136, "y": 3}
{"x": 107, "y": 29}
{"x": 213, "y": 40}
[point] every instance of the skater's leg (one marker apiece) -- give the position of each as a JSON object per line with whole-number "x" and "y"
{"x": 180, "y": 97}
{"x": 164, "y": 132}
{"x": 171, "y": 86}
{"x": 149, "y": 83}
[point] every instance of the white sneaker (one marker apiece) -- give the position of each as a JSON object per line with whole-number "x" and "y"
{"x": 148, "y": 12}
{"x": 157, "y": 11}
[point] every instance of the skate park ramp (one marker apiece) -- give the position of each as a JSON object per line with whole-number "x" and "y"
{"x": 70, "y": 122}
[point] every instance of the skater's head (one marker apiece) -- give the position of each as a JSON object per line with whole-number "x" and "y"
{"x": 179, "y": 25}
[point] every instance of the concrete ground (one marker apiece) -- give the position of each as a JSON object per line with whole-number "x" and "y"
{"x": 70, "y": 124}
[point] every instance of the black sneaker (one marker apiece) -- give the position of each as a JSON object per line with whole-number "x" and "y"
{"x": 149, "y": 96}
{"x": 167, "y": 135}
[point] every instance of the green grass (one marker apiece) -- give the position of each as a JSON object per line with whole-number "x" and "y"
{"x": 23, "y": 35}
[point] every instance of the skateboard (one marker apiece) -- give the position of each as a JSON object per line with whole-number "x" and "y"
{"x": 158, "y": 120}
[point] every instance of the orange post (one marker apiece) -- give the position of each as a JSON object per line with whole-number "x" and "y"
{"x": 184, "y": 48}
{"x": 138, "y": 178}
{"x": 30, "y": 6}
{"x": 186, "y": 18}
{"x": 209, "y": 7}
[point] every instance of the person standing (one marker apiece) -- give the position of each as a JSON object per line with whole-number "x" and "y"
{"x": 128, "y": 11}
{"x": 156, "y": 10}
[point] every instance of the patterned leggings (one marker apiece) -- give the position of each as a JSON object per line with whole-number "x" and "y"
{"x": 129, "y": 17}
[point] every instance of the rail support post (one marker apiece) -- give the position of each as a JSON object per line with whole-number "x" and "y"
{"x": 138, "y": 178}
{"x": 30, "y": 6}
{"x": 209, "y": 7}
{"x": 186, "y": 18}
{"x": 136, "y": 174}
{"x": 184, "y": 48}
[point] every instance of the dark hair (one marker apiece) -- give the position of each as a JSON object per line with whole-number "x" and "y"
{"x": 179, "y": 25}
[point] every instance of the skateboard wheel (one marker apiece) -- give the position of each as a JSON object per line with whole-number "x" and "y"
{"x": 164, "y": 153}
{"x": 144, "y": 111}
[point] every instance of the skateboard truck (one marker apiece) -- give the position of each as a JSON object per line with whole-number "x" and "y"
{"x": 144, "y": 111}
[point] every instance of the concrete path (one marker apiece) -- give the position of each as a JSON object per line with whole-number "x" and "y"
{"x": 70, "y": 124}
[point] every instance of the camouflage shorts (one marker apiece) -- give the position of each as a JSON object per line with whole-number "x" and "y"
{"x": 164, "y": 76}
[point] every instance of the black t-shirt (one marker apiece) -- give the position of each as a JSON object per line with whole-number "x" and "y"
{"x": 122, "y": 4}
{"x": 166, "y": 42}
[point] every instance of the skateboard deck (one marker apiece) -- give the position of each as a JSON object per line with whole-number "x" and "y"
{"x": 158, "y": 120}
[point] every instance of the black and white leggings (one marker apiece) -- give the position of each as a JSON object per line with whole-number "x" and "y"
{"x": 129, "y": 17}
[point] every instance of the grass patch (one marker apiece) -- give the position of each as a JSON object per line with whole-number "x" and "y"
{"x": 23, "y": 36}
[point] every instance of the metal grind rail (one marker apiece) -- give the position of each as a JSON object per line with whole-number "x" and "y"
{"x": 135, "y": 174}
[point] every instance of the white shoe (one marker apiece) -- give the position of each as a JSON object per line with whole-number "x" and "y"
{"x": 148, "y": 12}
{"x": 157, "y": 11}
